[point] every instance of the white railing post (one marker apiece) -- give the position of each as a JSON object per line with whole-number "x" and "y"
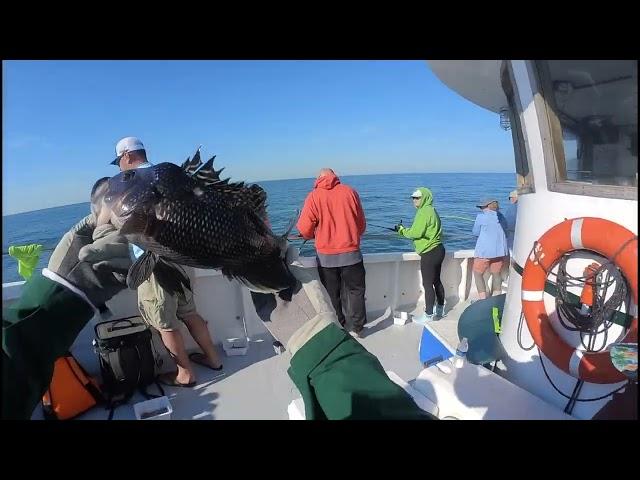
{"x": 396, "y": 288}
{"x": 462, "y": 288}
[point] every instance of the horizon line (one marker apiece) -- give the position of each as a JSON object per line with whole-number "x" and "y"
{"x": 277, "y": 180}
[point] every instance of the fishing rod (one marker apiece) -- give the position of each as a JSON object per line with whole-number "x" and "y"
{"x": 386, "y": 228}
{"x": 386, "y": 236}
{"x": 380, "y": 226}
{"x": 300, "y": 237}
{"x": 457, "y": 218}
{"x": 453, "y": 217}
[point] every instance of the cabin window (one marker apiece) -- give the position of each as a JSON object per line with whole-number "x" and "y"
{"x": 592, "y": 112}
{"x": 524, "y": 175}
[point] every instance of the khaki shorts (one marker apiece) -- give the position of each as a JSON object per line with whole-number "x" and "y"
{"x": 160, "y": 309}
{"x": 480, "y": 265}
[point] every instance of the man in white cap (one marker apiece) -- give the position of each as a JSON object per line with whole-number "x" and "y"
{"x": 130, "y": 154}
{"x": 162, "y": 310}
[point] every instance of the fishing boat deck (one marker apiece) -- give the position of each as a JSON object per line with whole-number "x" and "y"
{"x": 256, "y": 385}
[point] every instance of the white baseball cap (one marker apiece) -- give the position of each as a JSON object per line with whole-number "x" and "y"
{"x": 127, "y": 144}
{"x": 416, "y": 194}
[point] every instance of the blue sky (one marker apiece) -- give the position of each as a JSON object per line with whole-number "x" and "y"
{"x": 264, "y": 119}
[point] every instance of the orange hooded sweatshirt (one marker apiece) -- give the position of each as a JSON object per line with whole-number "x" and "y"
{"x": 333, "y": 215}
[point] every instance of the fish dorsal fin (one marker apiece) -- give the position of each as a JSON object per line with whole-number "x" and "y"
{"x": 191, "y": 166}
{"x": 241, "y": 195}
{"x": 259, "y": 200}
{"x": 207, "y": 175}
{"x": 185, "y": 164}
{"x": 235, "y": 193}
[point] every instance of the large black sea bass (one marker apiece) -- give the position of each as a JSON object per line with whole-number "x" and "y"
{"x": 189, "y": 216}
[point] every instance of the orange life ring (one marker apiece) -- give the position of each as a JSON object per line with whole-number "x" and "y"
{"x": 599, "y": 235}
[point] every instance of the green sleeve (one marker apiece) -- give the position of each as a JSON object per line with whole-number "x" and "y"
{"x": 37, "y": 329}
{"x": 339, "y": 380}
{"x": 419, "y": 226}
{"x": 433, "y": 226}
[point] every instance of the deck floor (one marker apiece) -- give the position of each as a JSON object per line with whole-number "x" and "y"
{"x": 256, "y": 386}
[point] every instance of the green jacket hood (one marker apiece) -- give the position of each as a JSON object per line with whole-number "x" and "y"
{"x": 427, "y": 197}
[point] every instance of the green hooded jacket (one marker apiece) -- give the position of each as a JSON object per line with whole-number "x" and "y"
{"x": 426, "y": 231}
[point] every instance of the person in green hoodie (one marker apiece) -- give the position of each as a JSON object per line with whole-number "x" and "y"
{"x": 426, "y": 233}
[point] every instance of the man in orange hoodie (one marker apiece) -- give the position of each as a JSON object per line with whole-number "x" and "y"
{"x": 333, "y": 215}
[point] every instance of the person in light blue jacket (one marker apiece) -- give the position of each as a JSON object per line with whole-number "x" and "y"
{"x": 491, "y": 247}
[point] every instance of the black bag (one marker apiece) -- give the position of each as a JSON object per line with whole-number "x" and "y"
{"x": 127, "y": 361}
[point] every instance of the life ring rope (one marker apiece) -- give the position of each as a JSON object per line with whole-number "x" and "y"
{"x": 598, "y": 235}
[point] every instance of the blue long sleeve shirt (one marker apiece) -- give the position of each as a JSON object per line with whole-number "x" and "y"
{"x": 492, "y": 241}
{"x": 510, "y": 214}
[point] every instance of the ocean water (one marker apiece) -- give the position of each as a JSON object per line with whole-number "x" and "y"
{"x": 385, "y": 199}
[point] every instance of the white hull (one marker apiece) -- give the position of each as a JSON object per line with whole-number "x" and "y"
{"x": 540, "y": 208}
{"x": 523, "y": 367}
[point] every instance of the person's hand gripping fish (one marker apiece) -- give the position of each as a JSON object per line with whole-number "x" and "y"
{"x": 92, "y": 261}
{"x": 295, "y": 315}
{"x": 336, "y": 376}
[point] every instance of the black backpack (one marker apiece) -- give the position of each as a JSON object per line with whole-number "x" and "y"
{"x": 127, "y": 361}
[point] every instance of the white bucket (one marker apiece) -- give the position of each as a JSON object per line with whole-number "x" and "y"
{"x": 235, "y": 346}
{"x": 401, "y": 318}
{"x": 154, "y": 409}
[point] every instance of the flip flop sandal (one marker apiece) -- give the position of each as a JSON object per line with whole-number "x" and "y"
{"x": 170, "y": 380}
{"x": 200, "y": 359}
